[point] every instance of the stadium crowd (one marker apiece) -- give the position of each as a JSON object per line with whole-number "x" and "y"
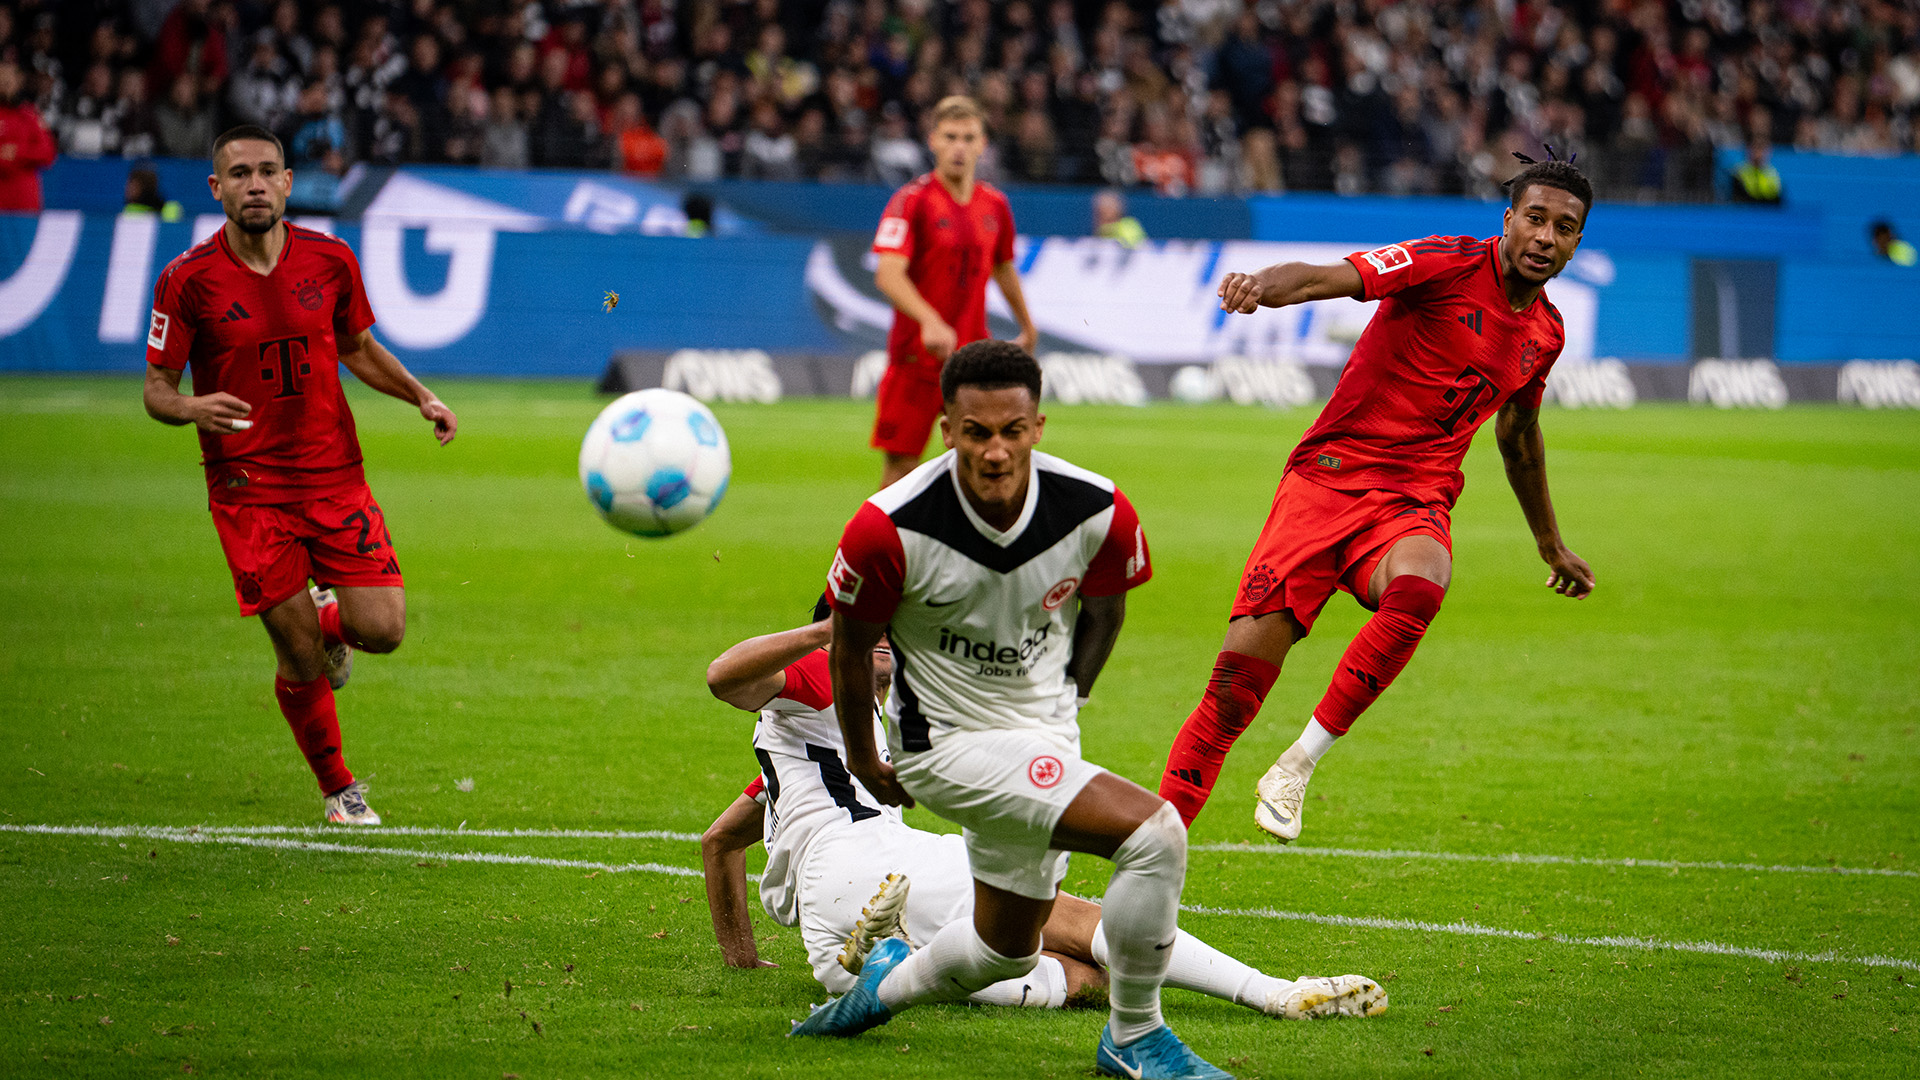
{"x": 1182, "y": 96}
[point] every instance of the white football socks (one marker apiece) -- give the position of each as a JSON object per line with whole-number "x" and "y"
{"x": 1140, "y": 913}
{"x": 953, "y": 965}
{"x": 1314, "y": 742}
{"x": 1045, "y": 987}
{"x": 1198, "y": 966}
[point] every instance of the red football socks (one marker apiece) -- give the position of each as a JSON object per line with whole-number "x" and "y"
{"x": 308, "y": 707}
{"x": 1234, "y": 693}
{"x": 1380, "y": 650}
{"x": 330, "y": 625}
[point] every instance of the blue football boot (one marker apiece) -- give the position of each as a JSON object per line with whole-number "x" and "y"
{"x": 1159, "y": 1056}
{"x": 859, "y": 1008}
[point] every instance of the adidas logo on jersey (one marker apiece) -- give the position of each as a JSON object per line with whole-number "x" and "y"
{"x": 235, "y": 313}
{"x": 995, "y": 658}
{"x": 1471, "y": 321}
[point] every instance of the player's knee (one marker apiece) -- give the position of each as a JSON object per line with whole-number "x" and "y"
{"x": 1158, "y": 846}
{"x": 1414, "y": 595}
{"x": 382, "y": 635}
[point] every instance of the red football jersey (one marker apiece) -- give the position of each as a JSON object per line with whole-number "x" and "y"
{"x": 951, "y": 251}
{"x": 273, "y": 341}
{"x": 1441, "y": 355}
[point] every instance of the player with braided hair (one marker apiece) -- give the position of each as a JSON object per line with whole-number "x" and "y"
{"x": 1464, "y": 332}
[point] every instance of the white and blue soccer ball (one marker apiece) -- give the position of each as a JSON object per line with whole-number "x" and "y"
{"x": 655, "y": 462}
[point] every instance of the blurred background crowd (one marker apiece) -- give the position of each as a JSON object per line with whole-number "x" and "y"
{"x": 1176, "y": 96}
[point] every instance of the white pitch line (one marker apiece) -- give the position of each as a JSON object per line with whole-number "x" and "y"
{"x": 422, "y": 830}
{"x": 190, "y": 836}
{"x": 1548, "y": 860}
{"x": 182, "y": 836}
{"x": 1609, "y": 942}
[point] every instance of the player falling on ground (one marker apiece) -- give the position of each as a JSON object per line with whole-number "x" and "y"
{"x": 1464, "y": 331}
{"x": 831, "y": 844}
{"x": 999, "y": 575}
{"x": 941, "y": 237}
{"x": 265, "y": 312}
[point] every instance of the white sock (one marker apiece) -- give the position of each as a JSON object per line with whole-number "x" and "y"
{"x": 1314, "y": 742}
{"x": 1140, "y": 916}
{"x": 1045, "y": 987}
{"x": 1198, "y": 966}
{"x": 954, "y": 964}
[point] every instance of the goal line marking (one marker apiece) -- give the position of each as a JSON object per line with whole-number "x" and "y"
{"x": 1607, "y": 942}
{"x": 1549, "y": 860}
{"x": 233, "y": 839}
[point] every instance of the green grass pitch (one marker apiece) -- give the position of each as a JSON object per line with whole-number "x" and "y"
{"x": 1741, "y": 691}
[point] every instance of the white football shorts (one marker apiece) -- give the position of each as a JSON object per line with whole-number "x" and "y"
{"x": 844, "y": 866}
{"x": 1006, "y": 789}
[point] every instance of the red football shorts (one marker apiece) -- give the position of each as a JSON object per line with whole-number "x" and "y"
{"x": 273, "y": 549}
{"x": 907, "y": 405}
{"x": 1317, "y": 540}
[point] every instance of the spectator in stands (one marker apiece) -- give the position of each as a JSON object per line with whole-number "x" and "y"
{"x": 25, "y": 145}
{"x": 1756, "y": 180}
{"x": 897, "y": 156}
{"x": 1112, "y": 222}
{"x": 183, "y": 124}
{"x": 768, "y": 151}
{"x": 503, "y": 137}
{"x": 143, "y": 195}
{"x": 1889, "y": 246}
{"x": 87, "y": 126}
{"x": 264, "y": 92}
{"x": 642, "y": 151}
{"x": 191, "y": 43}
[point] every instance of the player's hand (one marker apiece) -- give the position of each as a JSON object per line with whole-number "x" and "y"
{"x": 938, "y": 339}
{"x": 1027, "y": 338}
{"x": 445, "y": 424}
{"x": 879, "y": 778}
{"x": 216, "y": 412}
{"x": 1241, "y": 293}
{"x": 1571, "y": 575}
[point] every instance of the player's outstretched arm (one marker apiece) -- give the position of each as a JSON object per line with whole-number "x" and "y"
{"x": 891, "y": 279}
{"x": 754, "y": 672}
{"x": 1094, "y": 633}
{"x": 851, "y": 661}
{"x": 209, "y": 412}
{"x": 1524, "y": 449}
{"x": 1288, "y": 283}
{"x": 723, "y": 858}
{"x": 1007, "y": 276}
{"x": 372, "y": 364}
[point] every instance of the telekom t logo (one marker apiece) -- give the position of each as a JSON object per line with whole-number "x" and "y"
{"x": 285, "y": 361}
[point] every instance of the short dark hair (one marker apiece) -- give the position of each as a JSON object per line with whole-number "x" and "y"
{"x": 1554, "y": 174}
{"x": 990, "y": 365}
{"x": 249, "y": 131}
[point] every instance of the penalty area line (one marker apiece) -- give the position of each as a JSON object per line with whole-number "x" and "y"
{"x": 1467, "y": 929}
{"x": 1518, "y": 859}
{"x": 183, "y": 836}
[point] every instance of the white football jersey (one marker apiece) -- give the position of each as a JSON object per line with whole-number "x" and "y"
{"x": 981, "y": 621}
{"x": 806, "y": 783}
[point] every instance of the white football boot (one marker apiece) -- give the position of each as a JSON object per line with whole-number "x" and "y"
{"x": 879, "y": 920}
{"x": 339, "y": 656}
{"x": 1277, "y": 800}
{"x": 1317, "y": 998}
{"x": 348, "y": 806}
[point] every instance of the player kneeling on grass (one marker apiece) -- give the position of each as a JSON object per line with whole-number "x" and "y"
{"x": 998, "y": 575}
{"x": 830, "y": 843}
{"x": 265, "y": 312}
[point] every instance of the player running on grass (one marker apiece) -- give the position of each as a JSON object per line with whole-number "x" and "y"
{"x": 941, "y": 237}
{"x": 265, "y": 312}
{"x": 1464, "y": 331}
{"x": 999, "y": 576}
{"x": 830, "y": 843}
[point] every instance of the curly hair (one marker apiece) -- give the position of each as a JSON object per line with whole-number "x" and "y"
{"x": 989, "y": 365}
{"x": 1552, "y": 173}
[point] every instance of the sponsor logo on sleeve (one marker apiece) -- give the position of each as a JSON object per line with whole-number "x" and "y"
{"x": 892, "y": 234}
{"x": 1045, "y": 771}
{"x": 157, "y": 331}
{"x": 1137, "y": 563}
{"x": 842, "y": 581}
{"x": 1388, "y": 259}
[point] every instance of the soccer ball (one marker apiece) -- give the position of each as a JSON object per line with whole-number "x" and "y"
{"x": 655, "y": 462}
